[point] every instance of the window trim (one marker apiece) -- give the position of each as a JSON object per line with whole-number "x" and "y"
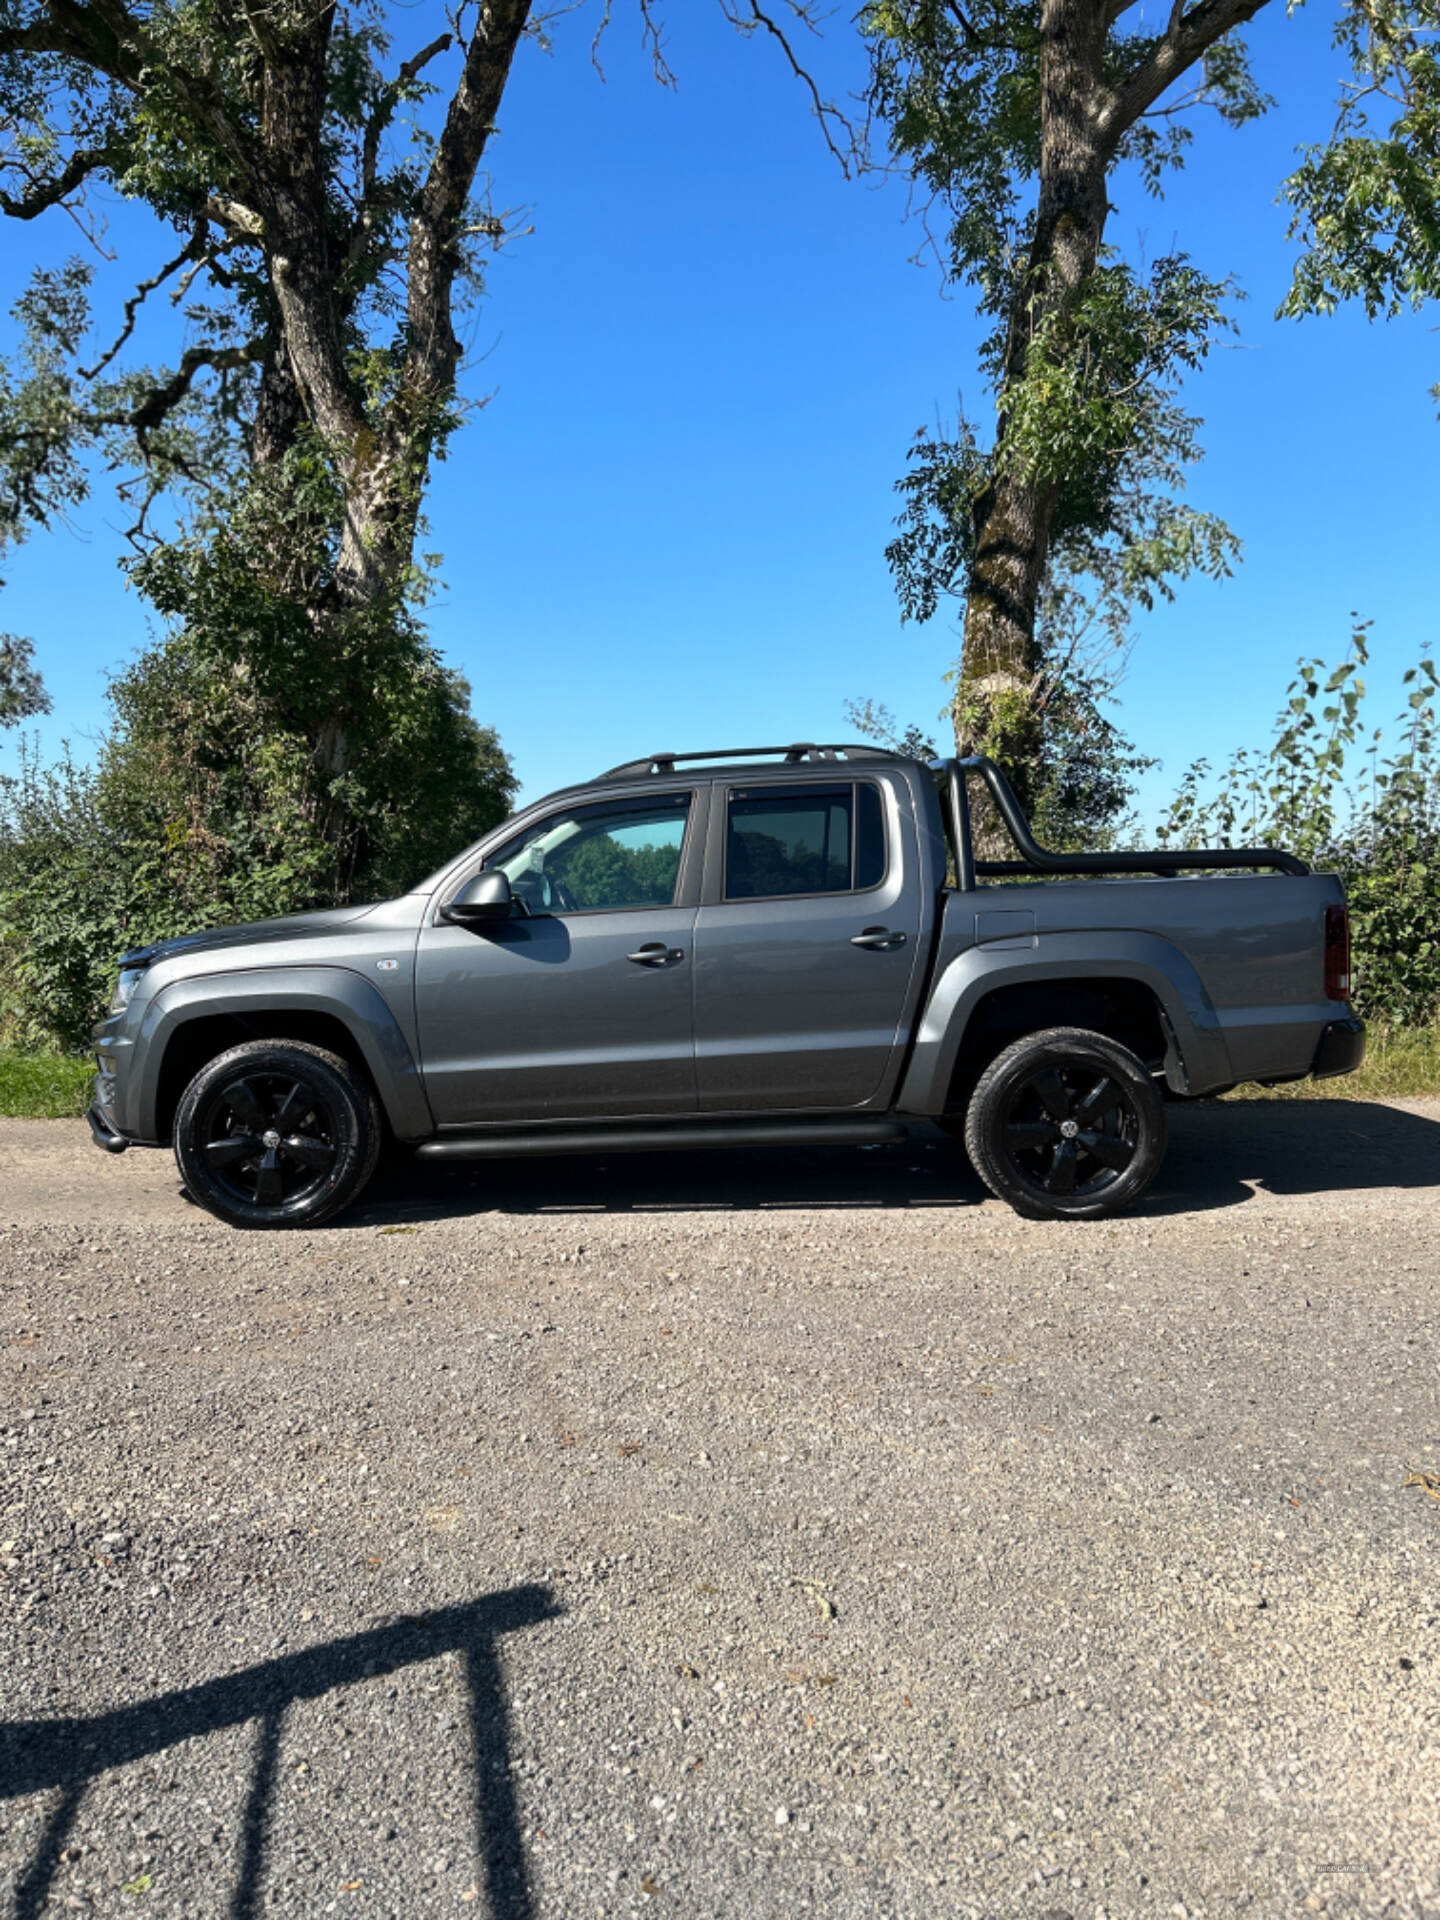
{"x": 687, "y": 878}
{"x": 803, "y": 786}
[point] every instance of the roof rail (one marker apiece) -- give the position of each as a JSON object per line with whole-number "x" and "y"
{"x": 794, "y": 754}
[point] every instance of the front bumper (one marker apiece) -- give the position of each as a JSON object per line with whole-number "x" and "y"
{"x": 1341, "y": 1049}
{"x": 110, "y": 1119}
{"x": 103, "y": 1134}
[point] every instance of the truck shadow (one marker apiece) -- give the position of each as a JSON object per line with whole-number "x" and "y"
{"x": 1220, "y": 1154}
{"x": 63, "y": 1757}
{"x": 924, "y": 1171}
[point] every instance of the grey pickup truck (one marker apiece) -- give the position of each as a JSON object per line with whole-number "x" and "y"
{"x": 756, "y": 947}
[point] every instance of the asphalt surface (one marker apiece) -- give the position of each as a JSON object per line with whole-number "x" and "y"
{"x": 753, "y": 1536}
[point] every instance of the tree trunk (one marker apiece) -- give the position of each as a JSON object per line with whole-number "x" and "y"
{"x": 382, "y": 454}
{"x": 279, "y": 411}
{"x": 389, "y": 466}
{"x": 994, "y": 708}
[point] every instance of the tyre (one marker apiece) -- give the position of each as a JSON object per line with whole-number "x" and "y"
{"x": 276, "y": 1133}
{"x": 1066, "y": 1125}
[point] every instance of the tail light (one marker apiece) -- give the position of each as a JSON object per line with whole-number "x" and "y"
{"x": 1337, "y": 953}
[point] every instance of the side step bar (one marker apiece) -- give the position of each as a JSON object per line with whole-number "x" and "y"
{"x": 684, "y": 1136}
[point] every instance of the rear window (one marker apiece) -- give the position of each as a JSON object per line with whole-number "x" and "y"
{"x": 792, "y": 840}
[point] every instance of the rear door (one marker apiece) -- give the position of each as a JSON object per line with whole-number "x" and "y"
{"x": 580, "y": 1007}
{"x": 805, "y": 947}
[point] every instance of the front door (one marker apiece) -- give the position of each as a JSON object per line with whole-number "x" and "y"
{"x": 579, "y": 1007}
{"x": 803, "y": 964}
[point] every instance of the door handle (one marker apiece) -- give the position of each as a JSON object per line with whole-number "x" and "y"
{"x": 655, "y": 953}
{"x": 879, "y": 937}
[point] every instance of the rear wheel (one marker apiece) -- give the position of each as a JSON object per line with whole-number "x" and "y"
{"x": 1066, "y": 1125}
{"x": 276, "y": 1133}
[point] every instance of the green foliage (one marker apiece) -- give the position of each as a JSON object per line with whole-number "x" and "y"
{"x": 21, "y": 692}
{"x": 67, "y": 898}
{"x": 55, "y": 415}
{"x": 1084, "y": 784}
{"x": 875, "y": 721}
{"x": 1098, "y": 394}
{"x": 224, "y": 124}
{"x": 1366, "y": 202}
{"x": 1332, "y": 793}
{"x": 206, "y": 807}
{"x": 1096, "y": 420}
{"x": 52, "y": 422}
{"x": 293, "y": 740}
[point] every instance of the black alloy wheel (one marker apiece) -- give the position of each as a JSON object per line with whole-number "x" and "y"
{"x": 1071, "y": 1129}
{"x": 1066, "y": 1124}
{"x": 276, "y": 1133}
{"x": 269, "y": 1138}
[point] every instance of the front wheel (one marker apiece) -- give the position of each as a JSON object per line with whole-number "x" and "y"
{"x": 1066, "y": 1125}
{"x": 276, "y": 1133}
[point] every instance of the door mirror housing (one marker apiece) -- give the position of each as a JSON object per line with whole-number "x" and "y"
{"x": 486, "y": 896}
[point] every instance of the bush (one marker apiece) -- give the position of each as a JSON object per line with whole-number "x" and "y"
{"x": 206, "y": 807}
{"x": 1380, "y": 831}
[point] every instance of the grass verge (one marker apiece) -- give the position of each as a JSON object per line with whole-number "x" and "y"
{"x": 44, "y": 1086}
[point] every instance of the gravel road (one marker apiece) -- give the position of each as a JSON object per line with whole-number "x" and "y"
{"x": 751, "y": 1536}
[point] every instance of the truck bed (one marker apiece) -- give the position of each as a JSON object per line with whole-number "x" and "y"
{"x": 1237, "y": 961}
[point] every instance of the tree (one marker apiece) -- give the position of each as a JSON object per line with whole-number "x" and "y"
{"x": 1013, "y": 118}
{"x": 325, "y": 235}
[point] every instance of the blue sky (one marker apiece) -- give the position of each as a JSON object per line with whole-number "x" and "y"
{"x": 666, "y": 528}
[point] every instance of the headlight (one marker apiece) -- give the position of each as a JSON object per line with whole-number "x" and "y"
{"x": 125, "y": 984}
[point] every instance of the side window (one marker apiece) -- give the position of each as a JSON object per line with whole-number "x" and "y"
{"x": 597, "y": 858}
{"x": 789, "y": 840}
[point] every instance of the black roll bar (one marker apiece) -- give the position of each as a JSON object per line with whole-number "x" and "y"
{"x": 1038, "y": 859}
{"x": 960, "y": 826}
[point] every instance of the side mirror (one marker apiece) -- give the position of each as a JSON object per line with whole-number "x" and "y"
{"x": 485, "y": 897}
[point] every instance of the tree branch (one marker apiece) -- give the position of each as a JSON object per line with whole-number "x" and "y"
{"x": 747, "y": 15}
{"x": 155, "y": 407}
{"x": 1186, "y": 37}
{"x": 385, "y": 112}
{"x": 103, "y": 36}
{"x": 192, "y": 249}
{"x": 161, "y": 401}
{"x": 44, "y": 194}
{"x": 435, "y": 226}
{"x": 236, "y": 219}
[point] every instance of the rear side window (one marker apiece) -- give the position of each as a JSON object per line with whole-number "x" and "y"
{"x": 789, "y": 840}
